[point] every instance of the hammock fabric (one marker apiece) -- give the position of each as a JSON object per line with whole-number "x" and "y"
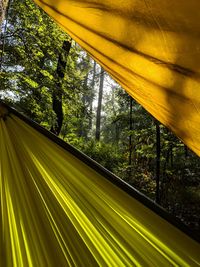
{"x": 151, "y": 47}
{"x": 56, "y": 210}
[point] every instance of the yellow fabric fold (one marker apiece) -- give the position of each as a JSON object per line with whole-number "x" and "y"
{"x": 57, "y": 211}
{"x": 152, "y": 48}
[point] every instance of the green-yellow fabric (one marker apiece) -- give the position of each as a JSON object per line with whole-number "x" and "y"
{"x": 151, "y": 47}
{"x": 57, "y": 211}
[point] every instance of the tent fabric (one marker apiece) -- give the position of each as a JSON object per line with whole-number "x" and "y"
{"x": 58, "y": 211}
{"x": 152, "y": 48}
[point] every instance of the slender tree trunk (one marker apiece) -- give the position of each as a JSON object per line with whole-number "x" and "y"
{"x": 157, "y": 162}
{"x": 114, "y": 113}
{"x": 58, "y": 92}
{"x": 171, "y": 156}
{"x": 3, "y": 6}
{"x": 91, "y": 95}
{"x": 130, "y": 128}
{"x": 186, "y": 151}
{"x": 82, "y": 131}
{"x": 98, "y": 120}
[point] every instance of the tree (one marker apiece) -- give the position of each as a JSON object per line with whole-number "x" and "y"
{"x": 131, "y": 129}
{"x": 92, "y": 95}
{"x": 57, "y": 94}
{"x": 3, "y": 6}
{"x": 100, "y": 96}
{"x": 32, "y": 60}
{"x": 157, "y": 162}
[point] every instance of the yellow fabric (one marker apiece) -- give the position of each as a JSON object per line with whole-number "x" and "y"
{"x": 57, "y": 211}
{"x": 151, "y": 47}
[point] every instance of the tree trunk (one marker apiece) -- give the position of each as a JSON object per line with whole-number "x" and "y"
{"x": 98, "y": 120}
{"x": 130, "y": 128}
{"x": 116, "y": 125}
{"x": 82, "y": 130}
{"x": 157, "y": 162}
{"x": 58, "y": 92}
{"x": 91, "y": 96}
{"x": 171, "y": 156}
{"x": 186, "y": 151}
{"x": 3, "y": 6}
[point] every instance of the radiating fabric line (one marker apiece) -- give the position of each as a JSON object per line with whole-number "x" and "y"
{"x": 79, "y": 192}
{"x": 57, "y": 211}
{"x": 150, "y": 47}
{"x": 47, "y": 221}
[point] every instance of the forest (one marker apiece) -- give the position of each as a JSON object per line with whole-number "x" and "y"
{"x": 48, "y": 77}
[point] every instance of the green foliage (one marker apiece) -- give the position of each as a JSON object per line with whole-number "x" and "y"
{"x": 106, "y": 154}
{"x": 32, "y": 48}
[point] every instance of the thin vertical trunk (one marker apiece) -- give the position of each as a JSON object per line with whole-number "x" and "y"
{"x": 171, "y": 156}
{"x": 58, "y": 92}
{"x": 4, "y": 10}
{"x": 91, "y": 95}
{"x": 186, "y": 151}
{"x": 116, "y": 126}
{"x": 130, "y": 129}
{"x": 157, "y": 162}
{"x": 98, "y": 120}
{"x": 3, "y": 6}
{"x": 82, "y": 131}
